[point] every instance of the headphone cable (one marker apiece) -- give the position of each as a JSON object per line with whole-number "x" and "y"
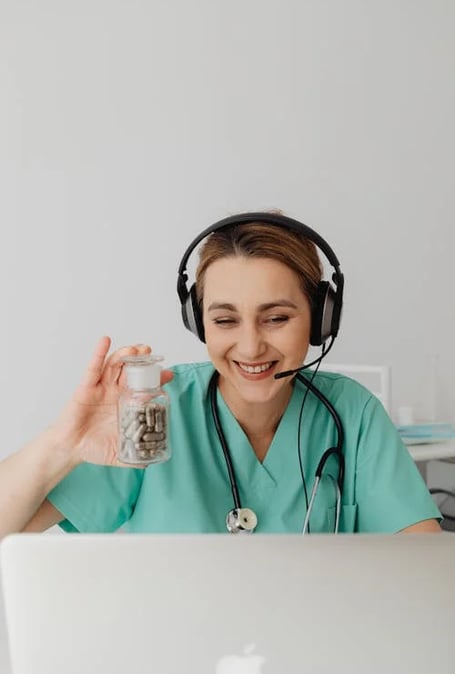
{"x": 305, "y": 366}
{"x": 299, "y": 427}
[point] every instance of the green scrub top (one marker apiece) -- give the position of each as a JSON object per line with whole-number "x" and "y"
{"x": 383, "y": 490}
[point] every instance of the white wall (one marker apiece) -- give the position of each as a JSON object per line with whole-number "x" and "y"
{"x": 127, "y": 127}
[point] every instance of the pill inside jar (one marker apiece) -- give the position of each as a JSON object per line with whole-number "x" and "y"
{"x": 143, "y": 413}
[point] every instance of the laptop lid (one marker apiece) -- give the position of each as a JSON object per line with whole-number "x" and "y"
{"x": 221, "y": 604}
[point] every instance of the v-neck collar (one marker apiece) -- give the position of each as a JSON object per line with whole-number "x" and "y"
{"x": 248, "y": 469}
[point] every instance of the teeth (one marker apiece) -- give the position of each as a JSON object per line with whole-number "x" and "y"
{"x": 255, "y": 369}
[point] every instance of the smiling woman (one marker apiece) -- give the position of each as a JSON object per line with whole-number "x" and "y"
{"x": 251, "y": 336}
{"x": 244, "y": 426}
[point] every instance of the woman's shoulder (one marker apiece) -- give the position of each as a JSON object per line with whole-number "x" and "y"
{"x": 190, "y": 377}
{"x": 356, "y": 405}
{"x": 341, "y": 388}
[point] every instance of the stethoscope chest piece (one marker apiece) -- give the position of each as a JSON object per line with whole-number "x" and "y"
{"x": 241, "y": 520}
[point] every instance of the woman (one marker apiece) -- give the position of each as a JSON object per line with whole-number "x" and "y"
{"x": 256, "y": 289}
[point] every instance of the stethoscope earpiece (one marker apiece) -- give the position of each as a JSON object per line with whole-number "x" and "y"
{"x": 241, "y": 520}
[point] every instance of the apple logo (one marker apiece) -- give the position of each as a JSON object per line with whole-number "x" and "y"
{"x": 248, "y": 663}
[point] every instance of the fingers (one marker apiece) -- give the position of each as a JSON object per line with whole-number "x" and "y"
{"x": 166, "y": 376}
{"x": 114, "y": 365}
{"x": 95, "y": 366}
{"x": 108, "y": 371}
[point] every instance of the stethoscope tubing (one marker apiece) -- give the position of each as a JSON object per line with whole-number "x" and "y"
{"x": 338, "y": 449}
{"x": 222, "y": 439}
{"x": 332, "y": 451}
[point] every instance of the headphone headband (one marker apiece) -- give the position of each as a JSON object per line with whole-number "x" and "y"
{"x": 327, "y": 313}
{"x": 269, "y": 219}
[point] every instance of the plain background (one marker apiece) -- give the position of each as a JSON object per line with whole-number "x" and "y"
{"x": 128, "y": 127}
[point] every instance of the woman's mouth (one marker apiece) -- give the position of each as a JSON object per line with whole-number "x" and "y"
{"x": 256, "y": 370}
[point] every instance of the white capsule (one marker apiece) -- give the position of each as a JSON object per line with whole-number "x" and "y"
{"x": 150, "y": 417}
{"x": 139, "y": 432}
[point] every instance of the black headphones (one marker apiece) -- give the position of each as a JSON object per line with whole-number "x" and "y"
{"x": 328, "y": 300}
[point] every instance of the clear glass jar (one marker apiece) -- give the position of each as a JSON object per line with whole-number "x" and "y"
{"x": 143, "y": 413}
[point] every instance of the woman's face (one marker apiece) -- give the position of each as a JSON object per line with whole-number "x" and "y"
{"x": 257, "y": 323}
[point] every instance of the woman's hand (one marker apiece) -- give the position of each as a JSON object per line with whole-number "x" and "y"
{"x": 88, "y": 424}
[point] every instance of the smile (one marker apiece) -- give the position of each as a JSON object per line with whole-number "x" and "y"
{"x": 256, "y": 369}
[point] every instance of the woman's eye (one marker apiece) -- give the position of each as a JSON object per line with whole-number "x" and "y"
{"x": 269, "y": 320}
{"x": 223, "y": 321}
{"x": 277, "y": 319}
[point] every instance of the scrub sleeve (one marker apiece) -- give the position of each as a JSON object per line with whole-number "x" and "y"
{"x": 390, "y": 491}
{"x": 383, "y": 490}
{"x": 96, "y": 499}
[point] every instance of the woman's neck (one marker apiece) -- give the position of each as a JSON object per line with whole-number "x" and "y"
{"x": 259, "y": 421}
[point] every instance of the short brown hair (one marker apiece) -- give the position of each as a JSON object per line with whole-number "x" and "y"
{"x": 258, "y": 239}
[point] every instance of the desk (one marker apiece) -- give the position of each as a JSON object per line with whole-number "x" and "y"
{"x": 430, "y": 451}
{"x": 422, "y": 453}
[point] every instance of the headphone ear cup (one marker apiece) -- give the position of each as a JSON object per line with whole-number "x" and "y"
{"x": 192, "y": 316}
{"x": 323, "y": 314}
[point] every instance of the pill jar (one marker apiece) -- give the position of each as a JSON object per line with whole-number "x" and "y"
{"x": 143, "y": 413}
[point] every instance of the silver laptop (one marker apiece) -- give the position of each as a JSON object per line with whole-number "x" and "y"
{"x": 219, "y": 604}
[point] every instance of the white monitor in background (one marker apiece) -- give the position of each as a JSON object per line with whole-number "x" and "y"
{"x": 219, "y": 604}
{"x": 376, "y": 378}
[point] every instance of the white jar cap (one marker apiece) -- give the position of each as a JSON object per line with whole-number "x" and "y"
{"x": 143, "y": 371}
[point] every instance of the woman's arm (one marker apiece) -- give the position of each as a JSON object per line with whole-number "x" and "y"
{"x": 26, "y": 477}
{"x": 423, "y": 527}
{"x": 86, "y": 431}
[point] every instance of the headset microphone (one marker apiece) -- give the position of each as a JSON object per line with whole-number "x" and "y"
{"x": 289, "y": 373}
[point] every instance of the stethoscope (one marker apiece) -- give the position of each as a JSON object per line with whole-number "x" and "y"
{"x": 244, "y": 520}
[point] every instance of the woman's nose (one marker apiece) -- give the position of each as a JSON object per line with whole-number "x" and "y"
{"x": 250, "y": 342}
